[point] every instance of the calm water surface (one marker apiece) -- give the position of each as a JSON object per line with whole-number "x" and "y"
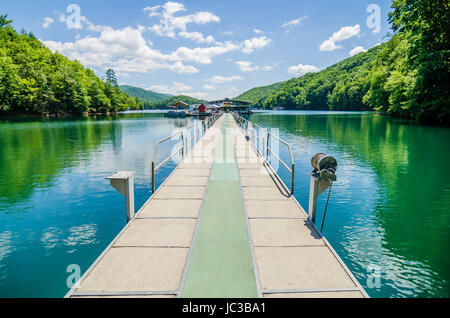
{"x": 389, "y": 209}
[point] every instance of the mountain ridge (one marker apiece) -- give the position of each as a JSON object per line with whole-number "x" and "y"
{"x": 143, "y": 94}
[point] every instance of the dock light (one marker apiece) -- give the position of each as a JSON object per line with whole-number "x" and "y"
{"x": 325, "y": 166}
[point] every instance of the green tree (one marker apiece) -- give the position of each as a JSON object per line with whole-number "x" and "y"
{"x": 111, "y": 78}
{"x": 427, "y": 26}
{"x": 35, "y": 80}
{"x": 4, "y": 21}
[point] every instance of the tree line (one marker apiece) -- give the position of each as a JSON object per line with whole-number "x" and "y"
{"x": 408, "y": 76}
{"x": 166, "y": 103}
{"x": 35, "y": 80}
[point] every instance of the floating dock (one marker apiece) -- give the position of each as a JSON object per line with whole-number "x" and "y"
{"x": 221, "y": 226}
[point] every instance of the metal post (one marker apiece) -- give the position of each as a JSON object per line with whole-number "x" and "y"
{"x": 317, "y": 187}
{"x": 183, "y": 151}
{"x": 153, "y": 177}
{"x": 267, "y": 149}
{"x": 123, "y": 182}
{"x": 292, "y": 179}
{"x": 195, "y": 134}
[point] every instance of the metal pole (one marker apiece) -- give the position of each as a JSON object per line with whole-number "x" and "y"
{"x": 129, "y": 198}
{"x": 317, "y": 187}
{"x": 313, "y": 194}
{"x": 183, "y": 142}
{"x": 195, "y": 134}
{"x": 292, "y": 179}
{"x": 153, "y": 177}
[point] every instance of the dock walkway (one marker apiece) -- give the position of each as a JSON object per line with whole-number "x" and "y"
{"x": 222, "y": 225}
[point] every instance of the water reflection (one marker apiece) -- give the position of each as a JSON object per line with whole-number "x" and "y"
{"x": 390, "y": 205}
{"x": 56, "y": 208}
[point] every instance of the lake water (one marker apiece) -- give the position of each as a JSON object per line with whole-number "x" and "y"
{"x": 388, "y": 213}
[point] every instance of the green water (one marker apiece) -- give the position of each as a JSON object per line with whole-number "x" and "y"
{"x": 56, "y": 208}
{"x": 389, "y": 208}
{"x": 389, "y": 212}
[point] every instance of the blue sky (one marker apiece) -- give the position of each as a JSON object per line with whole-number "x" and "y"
{"x": 203, "y": 48}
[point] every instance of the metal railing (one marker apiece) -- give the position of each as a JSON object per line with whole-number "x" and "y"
{"x": 162, "y": 164}
{"x": 258, "y": 134}
{"x": 291, "y": 169}
{"x": 198, "y": 130}
{"x": 265, "y": 150}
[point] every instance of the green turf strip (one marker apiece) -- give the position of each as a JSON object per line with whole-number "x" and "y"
{"x": 221, "y": 262}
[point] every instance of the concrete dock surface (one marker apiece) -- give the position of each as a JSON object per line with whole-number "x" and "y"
{"x": 221, "y": 226}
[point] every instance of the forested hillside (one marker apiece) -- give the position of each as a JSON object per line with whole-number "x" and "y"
{"x": 409, "y": 76}
{"x": 35, "y": 80}
{"x": 256, "y": 94}
{"x": 339, "y": 87}
{"x": 143, "y": 95}
{"x": 174, "y": 99}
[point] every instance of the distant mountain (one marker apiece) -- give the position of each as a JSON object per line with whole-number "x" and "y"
{"x": 256, "y": 94}
{"x": 174, "y": 99}
{"x": 143, "y": 94}
{"x": 342, "y": 86}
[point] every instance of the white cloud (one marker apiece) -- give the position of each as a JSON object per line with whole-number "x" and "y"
{"x": 246, "y": 66}
{"x": 268, "y": 67}
{"x": 255, "y": 43}
{"x": 62, "y": 18}
{"x": 357, "y": 50}
{"x": 204, "y": 55}
{"x": 343, "y": 34}
{"x": 84, "y": 22}
{"x": 180, "y": 68}
{"x": 173, "y": 7}
{"x": 176, "y": 88}
{"x": 301, "y": 69}
{"x": 47, "y": 22}
{"x": 152, "y": 11}
{"x": 294, "y": 23}
{"x": 128, "y": 51}
{"x": 258, "y": 31}
{"x": 197, "y": 37}
{"x": 221, "y": 79}
{"x": 227, "y": 33}
{"x": 329, "y": 45}
{"x": 91, "y": 26}
{"x": 125, "y": 50}
{"x": 209, "y": 87}
{"x": 169, "y": 24}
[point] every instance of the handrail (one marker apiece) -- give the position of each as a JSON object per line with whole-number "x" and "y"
{"x": 155, "y": 153}
{"x": 244, "y": 123}
{"x": 260, "y": 140}
{"x": 291, "y": 170}
{"x": 208, "y": 123}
